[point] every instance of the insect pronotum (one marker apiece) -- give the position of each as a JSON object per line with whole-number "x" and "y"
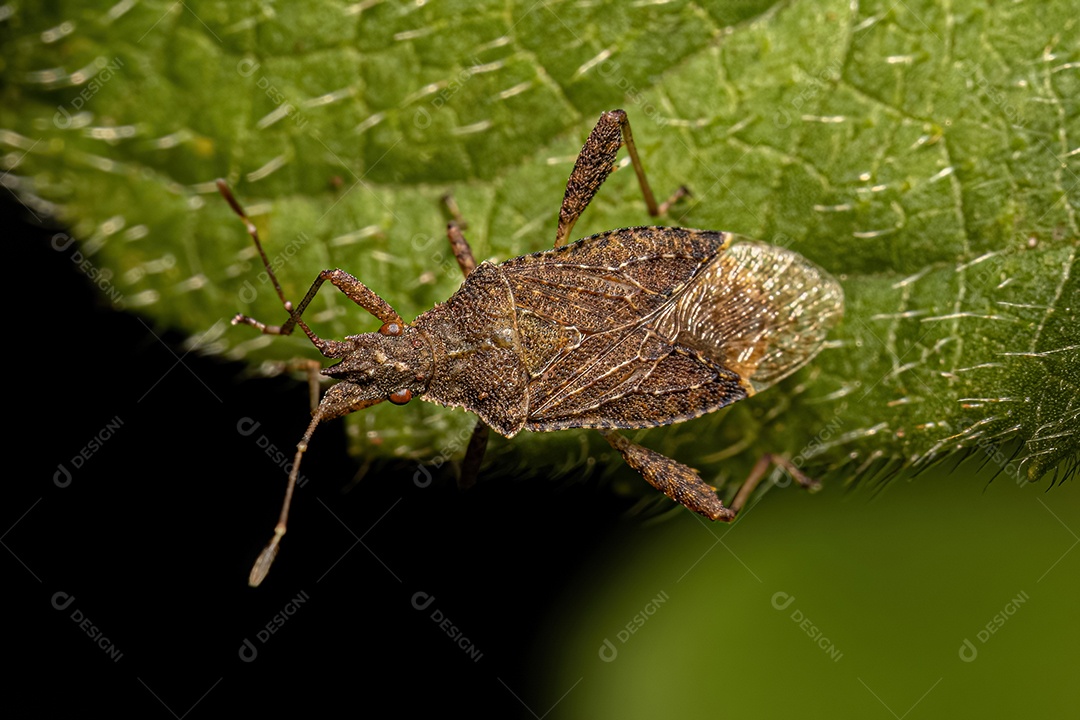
{"x": 630, "y": 328}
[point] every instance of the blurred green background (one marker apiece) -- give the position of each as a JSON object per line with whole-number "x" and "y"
{"x": 943, "y": 596}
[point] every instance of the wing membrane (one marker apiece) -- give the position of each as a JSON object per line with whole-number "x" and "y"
{"x": 656, "y": 325}
{"x": 760, "y": 310}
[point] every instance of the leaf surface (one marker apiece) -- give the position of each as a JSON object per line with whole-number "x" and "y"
{"x": 923, "y": 153}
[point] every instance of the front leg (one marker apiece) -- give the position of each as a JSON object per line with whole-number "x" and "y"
{"x": 349, "y": 286}
{"x": 352, "y": 288}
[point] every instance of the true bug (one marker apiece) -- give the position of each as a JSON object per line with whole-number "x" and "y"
{"x": 631, "y": 328}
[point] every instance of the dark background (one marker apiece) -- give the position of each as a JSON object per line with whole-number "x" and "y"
{"x": 155, "y": 534}
{"x": 151, "y": 541}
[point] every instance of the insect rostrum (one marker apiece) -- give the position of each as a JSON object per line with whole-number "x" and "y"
{"x": 631, "y": 328}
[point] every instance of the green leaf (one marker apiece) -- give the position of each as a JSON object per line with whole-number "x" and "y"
{"x": 924, "y": 154}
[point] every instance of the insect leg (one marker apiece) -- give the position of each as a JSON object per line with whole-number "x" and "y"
{"x": 758, "y": 472}
{"x": 682, "y": 484}
{"x": 352, "y": 288}
{"x": 595, "y": 162}
{"x": 349, "y": 285}
{"x": 474, "y": 455}
{"x": 677, "y": 481}
{"x": 460, "y": 246}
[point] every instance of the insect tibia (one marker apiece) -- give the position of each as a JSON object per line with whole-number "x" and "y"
{"x": 266, "y": 558}
{"x": 677, "y": 481}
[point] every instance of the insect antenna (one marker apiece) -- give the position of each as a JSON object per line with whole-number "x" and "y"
{"x": 341, "y": 399}
{"x": 266, "y": 557}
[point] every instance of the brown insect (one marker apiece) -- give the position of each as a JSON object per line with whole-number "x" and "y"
{"x": 630, "y": 328}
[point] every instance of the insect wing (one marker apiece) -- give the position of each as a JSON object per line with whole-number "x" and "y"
{"x": 586, "y": 315}
{"x": 612, "y": 280}
{"x": 760, "y": 310}
{"x": 648, "y": 326}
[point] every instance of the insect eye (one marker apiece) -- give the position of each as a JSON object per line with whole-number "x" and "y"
{"x": 401, "y": 396}
{"x": 392, "y": 329}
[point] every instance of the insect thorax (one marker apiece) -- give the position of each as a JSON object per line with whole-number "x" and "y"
{"x": 478, "y": 353}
